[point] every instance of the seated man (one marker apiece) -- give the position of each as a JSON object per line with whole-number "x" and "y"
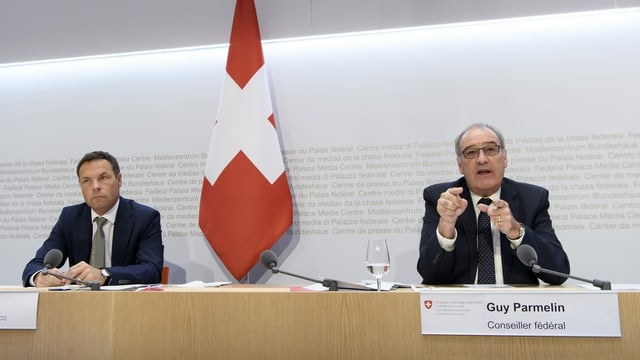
{"x": 129, "y": 248}
{"x": 481, "y": 211}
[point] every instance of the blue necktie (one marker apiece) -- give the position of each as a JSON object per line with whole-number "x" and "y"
{"x": 486, "y": 266}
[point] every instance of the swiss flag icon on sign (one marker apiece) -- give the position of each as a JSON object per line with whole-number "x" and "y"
{"x": 428, "y": 304}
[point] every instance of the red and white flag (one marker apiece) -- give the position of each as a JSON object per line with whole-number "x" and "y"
{"x": 245, "y": 206}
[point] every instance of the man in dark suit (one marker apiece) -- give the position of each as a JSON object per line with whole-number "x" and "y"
{"x": 133, "y": 250}
{"x": 518, "y": 214}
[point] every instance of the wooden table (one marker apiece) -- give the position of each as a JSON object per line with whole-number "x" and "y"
{"x": 275, "y": 323}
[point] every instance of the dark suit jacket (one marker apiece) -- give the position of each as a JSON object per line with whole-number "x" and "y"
{"x": 137, "y": 251}
{"x": 529, "y": 204}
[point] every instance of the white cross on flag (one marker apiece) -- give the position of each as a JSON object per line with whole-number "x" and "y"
{"x": 245, "y": 205}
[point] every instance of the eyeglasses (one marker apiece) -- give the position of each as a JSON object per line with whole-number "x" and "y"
{"x": 489, "y": 150}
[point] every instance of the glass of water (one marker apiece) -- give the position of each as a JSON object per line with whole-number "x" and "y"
{"x": 378, "y": 259}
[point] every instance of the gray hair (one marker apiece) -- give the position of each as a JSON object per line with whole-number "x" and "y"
{"x": 476, "y": 126}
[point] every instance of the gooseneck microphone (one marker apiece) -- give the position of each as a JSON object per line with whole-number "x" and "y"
{"x": 269, "y": 259}
{"x": 528, "y": 256}
{"x": 52, "y": 259}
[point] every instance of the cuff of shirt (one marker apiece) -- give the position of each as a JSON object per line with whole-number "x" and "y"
{"x": 31, "y": 282}
{"x": 448, "y": 244}
{"x": 516, "y": 242}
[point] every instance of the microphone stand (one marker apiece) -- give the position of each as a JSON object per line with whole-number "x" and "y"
{"x": 602, "y": 284}
{"x": 90, "y": 284}
{"x": 331, "y": 284}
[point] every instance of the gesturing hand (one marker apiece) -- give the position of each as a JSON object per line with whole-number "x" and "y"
{"x": 450, "y": 206}
{"x": 501, "y": 216}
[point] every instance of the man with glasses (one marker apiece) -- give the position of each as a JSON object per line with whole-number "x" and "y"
{"x": 473, "y": 226}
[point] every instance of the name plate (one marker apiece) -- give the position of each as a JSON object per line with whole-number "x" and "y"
{"x": 520, "y": 313}
{"x": 18, "y": 310}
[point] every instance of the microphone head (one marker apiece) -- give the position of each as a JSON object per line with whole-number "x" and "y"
{"x": 527, "y": 255}
{"x": 52, "y": 259}
{"x": 269, "y": 259}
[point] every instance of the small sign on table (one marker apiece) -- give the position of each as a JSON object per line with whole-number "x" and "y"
{"x": 18, "y": 310}
{"x": 521, "y": 313}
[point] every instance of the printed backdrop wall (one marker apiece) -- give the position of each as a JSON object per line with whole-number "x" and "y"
{"x": 366, "y": 120}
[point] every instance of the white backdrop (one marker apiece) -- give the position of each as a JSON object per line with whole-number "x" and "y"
{"x": 366, "y": 120}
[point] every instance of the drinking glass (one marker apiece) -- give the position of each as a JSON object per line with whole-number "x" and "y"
{"x": 378, "y": 259}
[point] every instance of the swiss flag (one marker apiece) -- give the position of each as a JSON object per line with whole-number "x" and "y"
{"x": 245, "y": 205}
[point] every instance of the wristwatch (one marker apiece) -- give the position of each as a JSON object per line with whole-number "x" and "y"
{"x": 520, "y": 233}
{"x": 106, "y": 273}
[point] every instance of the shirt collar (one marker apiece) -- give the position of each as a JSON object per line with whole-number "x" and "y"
{"x": 475, "y": 197}
{"x": 109, "y": 215}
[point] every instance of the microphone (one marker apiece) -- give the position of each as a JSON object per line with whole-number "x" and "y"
{"x": 270, "y": 260}
{"x": 528, "y": 256}
{"x": 52, "y": 259}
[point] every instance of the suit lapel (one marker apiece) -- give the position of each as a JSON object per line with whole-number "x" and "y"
{"x": 509, "y": 195}
{"x": 83, "y": 228}
{"x": 121, "y": 231}
{"x": 468, "y": 221}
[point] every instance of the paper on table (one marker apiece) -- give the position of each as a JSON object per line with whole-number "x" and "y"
{"x": 487, "y": 286}
{"x": 384, "y": 285}
{"x": 366, "y": 285}
{"x": 430, "y": 288}
{"x": 201, "y": 284}
{"x": 129, "y": 287}
{"x": 67, "y": 287}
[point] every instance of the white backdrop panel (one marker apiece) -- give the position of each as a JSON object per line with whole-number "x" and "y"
{"x": 366, "y": 120}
